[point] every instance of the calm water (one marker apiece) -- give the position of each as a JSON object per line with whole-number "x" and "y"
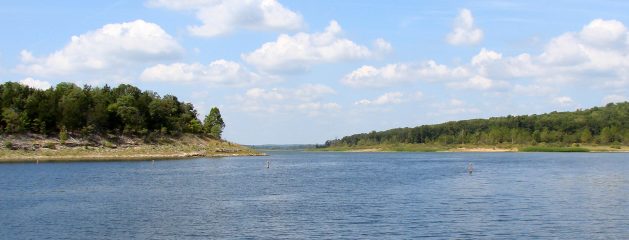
{"x": 322, "y": 195}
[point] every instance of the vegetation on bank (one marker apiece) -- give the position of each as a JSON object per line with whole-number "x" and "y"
{"x": 122, "y": 110}
{"x": 67, "y": 122}
{"x": 600, "y": 128}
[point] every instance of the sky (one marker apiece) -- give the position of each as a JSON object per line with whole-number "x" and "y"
{"x": 303, "y": 71}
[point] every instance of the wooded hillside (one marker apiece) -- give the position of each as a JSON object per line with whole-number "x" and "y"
{"x": 599, "y": 125}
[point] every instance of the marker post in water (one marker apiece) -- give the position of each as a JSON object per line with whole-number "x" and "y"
{"x": 470, "y": 168}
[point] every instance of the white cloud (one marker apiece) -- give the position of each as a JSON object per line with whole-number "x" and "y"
{"x": 34, "y": 83}
{"x": 220, "y": 17}
{"x": 305, "y": 92}
{"x": 563, "y": 101}
{"x": 479, "y": 83}
{"x": 599, "y": 46}
{"x": 604, "y": 32}
{"x": 274, "y": 94}
{"x": 614, "y": 99}
{"x": 317, "y": 108}
{"x": 387, "y": 98}
{"x": 394, "y": 74}
{"x": 302, "y": 50}
{"x": 219, "y": 72}
{"x": 485, "y": 56}
{"x": 111, "y": 47}
{"x": 309, "y": 92}
{"x": 533, "y": 90}
{"x": 304, "y": 99}
{"x": 369, "y": 76}
{"x": 382, "y": 45}
{"x": 597, "y": 56}
{"x": 464, "y": 31}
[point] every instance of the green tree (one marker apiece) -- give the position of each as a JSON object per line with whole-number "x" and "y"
{"x": 605, "y": 136}
{"x": 73, "y": 106}
{"x": 12, "y": 120}
{"x": 213, "y": 123}
{"x": 586, "y": 136}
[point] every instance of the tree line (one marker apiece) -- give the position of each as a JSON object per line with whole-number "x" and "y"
{"x": 607, "y": 125}
{"x": 87, "y": 110}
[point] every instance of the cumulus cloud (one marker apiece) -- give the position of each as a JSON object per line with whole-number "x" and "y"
{"x": 533, "y": 90}
{"x": 34, "y": 83}
{"x": 309, "y": 92}
{"x": 263, "y": 94}
{"x": 597, "y": 56}
{"x": 601, "y": 45}
{"x": 387, "y": 98}
{"x": 317, "y": 108}
{"x": 220, "y": 17}
{"x": 394, "y": 74}
{"x": 464, "y": 31}
{"x": 479, "y": 83}
{"x": 306, "y": 98}
{"x": 485, "y": 56}
{"x": 107, "y": 48}
{"x": 563, "y": 101}
{"x": 614, "y": 98}
{"x": 219, "y": 72}
{"x": 302, "y": 50}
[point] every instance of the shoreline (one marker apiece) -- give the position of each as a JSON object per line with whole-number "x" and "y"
{"x": 123, "y": 158}
{"x": 474, "y": 149}
{"x": 37, "y": 148}
{"x": 464, "y": 151}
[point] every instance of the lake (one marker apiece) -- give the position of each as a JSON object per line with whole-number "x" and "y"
{"x": 322, "y": 195}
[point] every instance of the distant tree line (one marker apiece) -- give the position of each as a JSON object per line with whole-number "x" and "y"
{"x": 598, "y": 125}
{"x": 124, "y": 109}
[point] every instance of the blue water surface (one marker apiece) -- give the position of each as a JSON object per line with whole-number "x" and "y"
{"x": 322, "y": 195}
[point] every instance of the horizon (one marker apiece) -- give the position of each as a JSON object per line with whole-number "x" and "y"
{"x": 287, "y": 72}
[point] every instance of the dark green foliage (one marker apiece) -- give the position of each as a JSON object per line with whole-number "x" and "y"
{"x": 68, "y": 108}
{"x": 213, "y": 123}
{"x": 598, "y": 125}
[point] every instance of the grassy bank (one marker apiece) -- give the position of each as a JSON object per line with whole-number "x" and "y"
{"x": 553, "y": 149}
{"x": 473, "y": 148}
{"x": 30, "y": 148}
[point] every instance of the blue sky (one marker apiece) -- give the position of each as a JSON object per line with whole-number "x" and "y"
{"x": 307, "y": 71}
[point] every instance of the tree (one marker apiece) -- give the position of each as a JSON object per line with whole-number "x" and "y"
{"x": 73, "y": 106}
{"x": 606, "y": 125}
{"x": 213, "y": 123}
{"x": 97, "y": 110}
{"x": 12, "y": 120}
{"x": 586, "y": 135}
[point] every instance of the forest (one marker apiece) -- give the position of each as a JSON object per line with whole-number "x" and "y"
{"x": 122, "y": 110}
{"x": 608, "y": 125}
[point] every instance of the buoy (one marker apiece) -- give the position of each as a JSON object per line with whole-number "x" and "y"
{"x": 470, "y": 168}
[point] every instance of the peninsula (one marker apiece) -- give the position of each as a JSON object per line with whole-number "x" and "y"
{"x": 71, "y": 123}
